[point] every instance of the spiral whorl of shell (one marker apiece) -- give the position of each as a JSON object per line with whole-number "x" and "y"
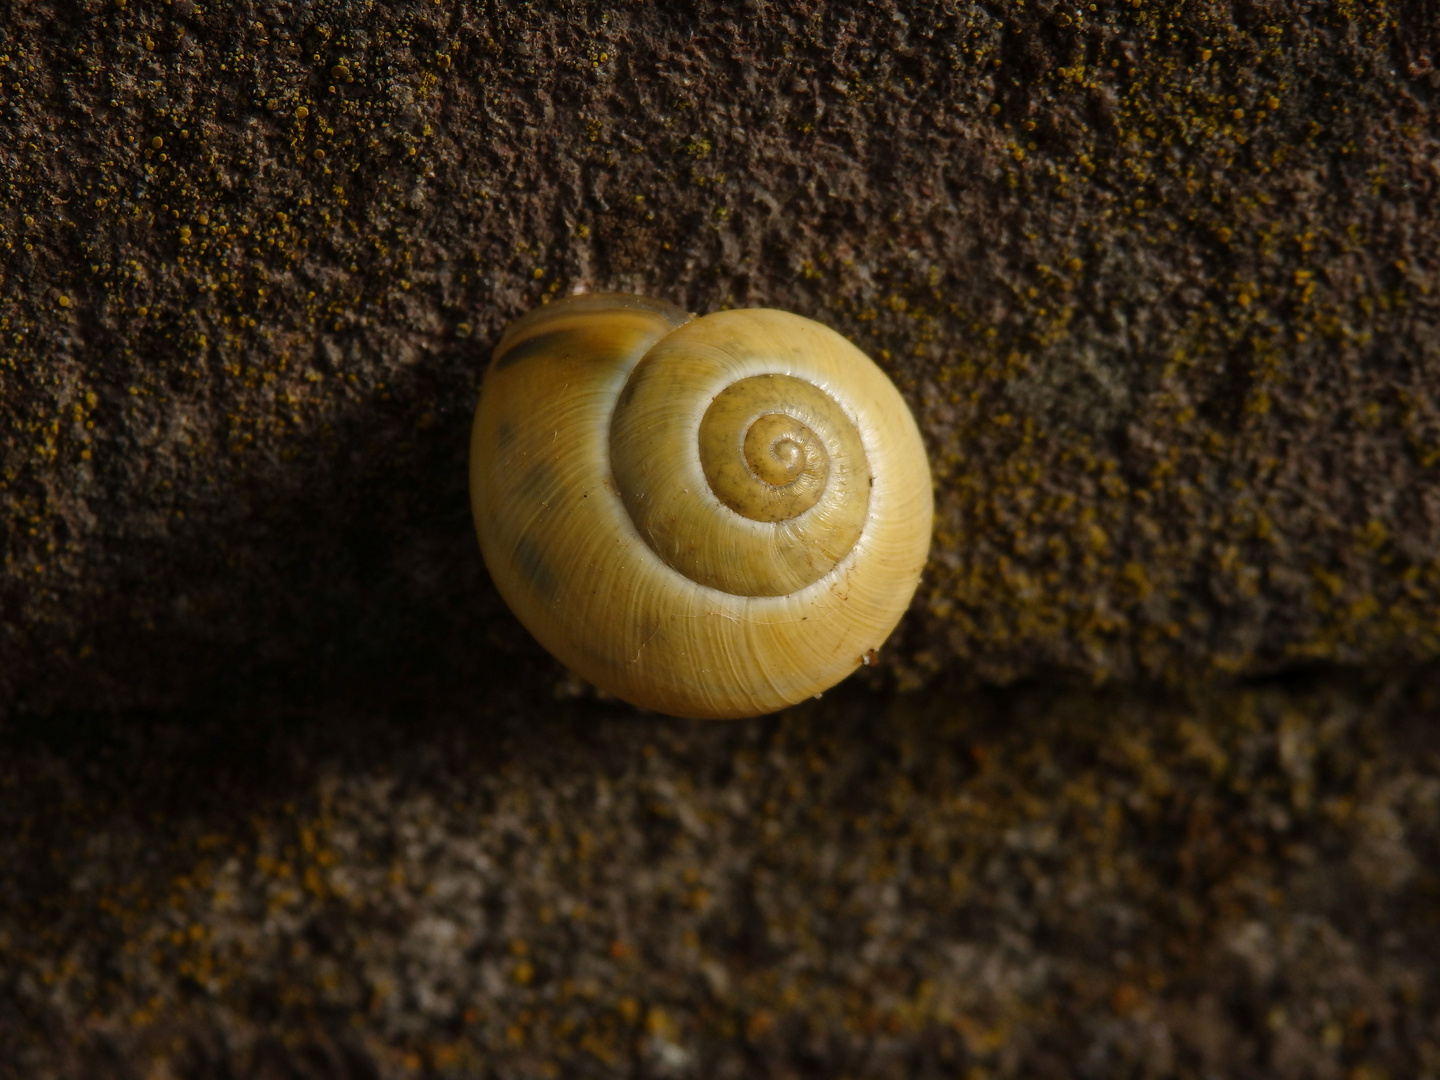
{"x": 708, "y": 517}
{"x": 740, "y": 475}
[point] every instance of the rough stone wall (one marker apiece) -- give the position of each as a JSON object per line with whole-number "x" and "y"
{"x": 1159, "y": 280}
{"x": 1239, "y": 884}
{"x": 284, "y": 790}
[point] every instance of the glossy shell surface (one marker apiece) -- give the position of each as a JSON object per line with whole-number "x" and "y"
{"x": 712, "y": 517}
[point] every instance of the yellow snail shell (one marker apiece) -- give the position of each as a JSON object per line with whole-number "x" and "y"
{"x": 713, "y": 517}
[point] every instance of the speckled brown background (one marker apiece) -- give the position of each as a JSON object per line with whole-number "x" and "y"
{"x": 285, "y": 791}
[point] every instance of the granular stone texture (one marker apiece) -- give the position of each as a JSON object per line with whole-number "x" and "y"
{"x": 1237, "y": 883}
{"x": 1159, "y": 280}
{"x": 286, "y": 792}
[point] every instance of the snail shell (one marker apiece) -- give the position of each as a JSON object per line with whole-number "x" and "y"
{"x": 711, "y": 517}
